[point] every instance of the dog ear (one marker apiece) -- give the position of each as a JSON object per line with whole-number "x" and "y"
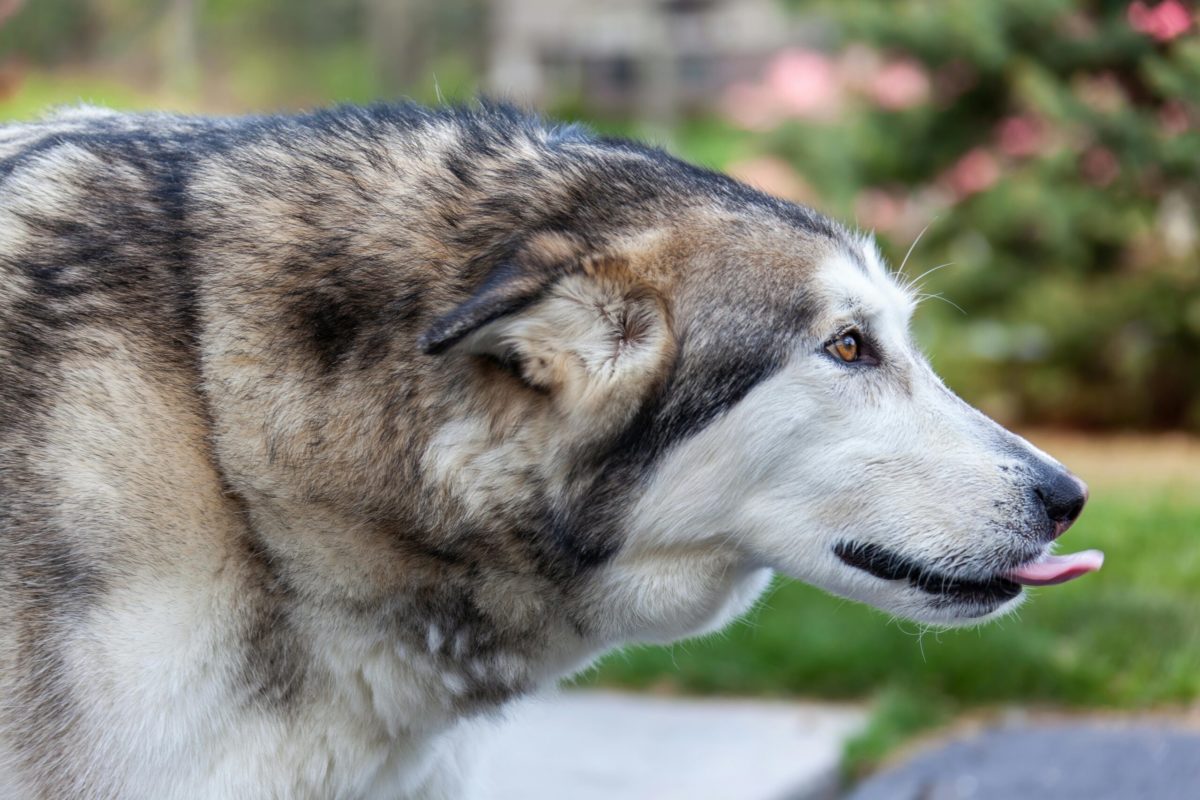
{"x": 590, "y": 335}
{"x": 506, "y": 290}
{"x": 512, "y": 284}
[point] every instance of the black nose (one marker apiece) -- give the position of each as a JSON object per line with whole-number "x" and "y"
{"x": 1062, "y": 495}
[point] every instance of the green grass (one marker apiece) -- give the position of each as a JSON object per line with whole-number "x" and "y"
{"x": 1128, "y": 637}
{"x": 41, "y": 92}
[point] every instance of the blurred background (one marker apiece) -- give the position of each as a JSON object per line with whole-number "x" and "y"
{"x": 1033, "y": 163}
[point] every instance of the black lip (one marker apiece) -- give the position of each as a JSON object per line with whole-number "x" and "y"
{"x": 890, "y": 566}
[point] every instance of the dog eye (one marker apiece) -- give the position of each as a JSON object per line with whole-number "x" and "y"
{"x": 847, "y": 346}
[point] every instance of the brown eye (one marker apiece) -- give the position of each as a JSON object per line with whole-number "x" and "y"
{"x": 847, "y": 347}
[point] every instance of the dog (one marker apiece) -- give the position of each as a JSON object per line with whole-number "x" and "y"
{"x": 326, "y": 437}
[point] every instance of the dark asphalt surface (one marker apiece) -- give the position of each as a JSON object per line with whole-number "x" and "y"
{"x": 1060, "y": 761}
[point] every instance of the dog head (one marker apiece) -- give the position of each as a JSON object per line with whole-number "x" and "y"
{"x": 722, "y": 385}
{"x": 853, "y": 467}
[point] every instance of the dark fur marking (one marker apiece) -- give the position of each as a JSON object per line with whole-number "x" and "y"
{"x": 57, "y": 588}
{"x": 273, "y": 657}
{"x": 708, "y": 378}
{"x": 460, "y": 168}
{"x": 378, "y": 338}
{"x": 695, "y": 394}
{"x": 347, "y": 324}
{"x": 170, "y": 194}
{"x": 334, "y": 327}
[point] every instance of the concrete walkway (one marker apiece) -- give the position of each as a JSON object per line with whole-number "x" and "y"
{"x": 1093, "y": 760}
{"x": 605, "y": 745}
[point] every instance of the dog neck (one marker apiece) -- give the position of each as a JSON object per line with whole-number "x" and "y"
{"x": 449, "y": 636}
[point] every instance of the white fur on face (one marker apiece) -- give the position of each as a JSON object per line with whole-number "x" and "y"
{"x": 826, "y": 453}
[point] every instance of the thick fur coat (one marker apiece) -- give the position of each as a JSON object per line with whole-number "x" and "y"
{"x": 323, "y": 437}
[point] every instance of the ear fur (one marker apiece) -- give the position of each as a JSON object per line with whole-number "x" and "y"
{"x": 512, "y": 284}
{"x": 595, "y": 338}
{"x": 505, "y": 291}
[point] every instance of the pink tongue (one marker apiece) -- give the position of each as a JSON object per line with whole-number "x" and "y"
{"x": 1058, "y": 569}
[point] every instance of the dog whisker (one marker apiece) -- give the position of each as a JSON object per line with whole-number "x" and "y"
{"x": 914, "y": 244}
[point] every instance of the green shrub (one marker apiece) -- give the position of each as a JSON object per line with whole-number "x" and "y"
{"x": 1053, "y": 150}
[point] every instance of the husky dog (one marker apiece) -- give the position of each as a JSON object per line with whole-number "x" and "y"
{"x": 324, "y": 436}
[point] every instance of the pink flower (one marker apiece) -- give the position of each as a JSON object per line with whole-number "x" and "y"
{"x": 1020, "y": 136}
{"x": 975, "y": 171}
{"x": 750, "y": 107}
{"x": 878, "y": 210}
{"x": 1164, "y": 22}
{"x": 1099, "y": 166}
{"x": 900, "y": 85}
{"x": 804, "y": 84}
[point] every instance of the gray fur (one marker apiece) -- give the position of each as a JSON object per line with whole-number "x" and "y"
{"x": 226, "y": 346}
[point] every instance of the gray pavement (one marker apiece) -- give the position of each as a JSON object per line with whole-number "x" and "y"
{"x": 1095, "y": 760}
{"x": 609, "y": 745}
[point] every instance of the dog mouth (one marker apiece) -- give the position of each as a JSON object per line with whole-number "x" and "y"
{"x": 950, "y": 589}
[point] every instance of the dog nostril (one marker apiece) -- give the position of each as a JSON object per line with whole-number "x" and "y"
{"x": 1075, "y": 509}
{"x": 1063, "y": 498}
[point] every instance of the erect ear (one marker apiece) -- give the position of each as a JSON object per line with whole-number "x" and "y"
{"x": 594, "y": 337}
